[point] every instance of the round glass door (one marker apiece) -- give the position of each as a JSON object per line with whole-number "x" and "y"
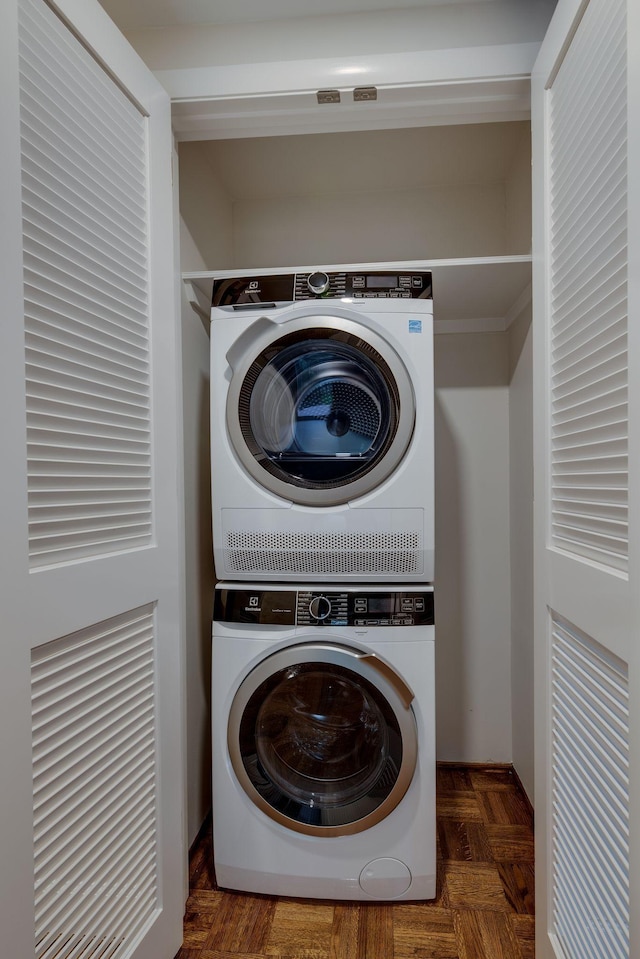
{"x": 322, "y": 740}
{"x": 320, "y": 416}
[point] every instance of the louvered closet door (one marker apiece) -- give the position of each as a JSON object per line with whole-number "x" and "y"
{"x": 92, "y": 858}
{"x": 586, "y": 132}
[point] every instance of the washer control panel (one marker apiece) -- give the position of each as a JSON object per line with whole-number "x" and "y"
{"x": 331, "y": 607}
{"x": 323, "y": 609}
{"x": 252, "y": 292}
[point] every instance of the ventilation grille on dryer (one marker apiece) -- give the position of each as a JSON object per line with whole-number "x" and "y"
{"x": 324, "y": 553}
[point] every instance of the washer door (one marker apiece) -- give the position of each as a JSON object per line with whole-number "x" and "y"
{"x": 320, "y": 410}
{"x": 323, "y": 739}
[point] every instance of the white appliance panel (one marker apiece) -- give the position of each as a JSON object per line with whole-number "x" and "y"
{"x": 276, "y": 515}
{"x": 395, "y": 857}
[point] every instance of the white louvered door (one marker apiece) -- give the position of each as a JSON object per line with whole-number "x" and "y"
{"x": 586, "y": 165}
{"x": 92, "y": 852}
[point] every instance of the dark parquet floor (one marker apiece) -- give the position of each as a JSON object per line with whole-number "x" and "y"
{"x": 484, "y": 907}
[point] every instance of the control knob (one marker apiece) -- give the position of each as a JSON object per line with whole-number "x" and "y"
{"x": 319, "y": 608}
{"x": 318, "y": 283}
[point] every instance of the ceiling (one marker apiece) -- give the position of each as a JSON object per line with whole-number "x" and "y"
{"x": 138, "y": 14}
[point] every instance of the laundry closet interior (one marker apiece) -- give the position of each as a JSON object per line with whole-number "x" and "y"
{"x": 455, "y": 198}
{"x": 149, "y": 154}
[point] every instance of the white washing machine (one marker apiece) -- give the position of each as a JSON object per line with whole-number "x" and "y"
{"x": 323, "y": 741}
{"x": 322, "y": 426}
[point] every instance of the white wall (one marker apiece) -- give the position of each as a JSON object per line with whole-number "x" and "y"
{"x": 518, "y": 200}
{"x": 373, "y": 195}
{"x": 521, "y": 539}
{"x": 198, "y": 547}
{"x": 518, "y": 194}
{"x": 206, "y": 209}
{"x": 473, "y": 607}
{"x": 338, "y": 228}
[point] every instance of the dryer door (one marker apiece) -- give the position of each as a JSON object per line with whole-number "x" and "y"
{"x": 323, "y": 739}
{"x": 320, "y": 410}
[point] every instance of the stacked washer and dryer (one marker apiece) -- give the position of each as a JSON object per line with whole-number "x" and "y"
{"x": 323, "y": 687}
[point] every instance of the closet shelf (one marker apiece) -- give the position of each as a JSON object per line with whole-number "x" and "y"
{"x": 470, "y": 295}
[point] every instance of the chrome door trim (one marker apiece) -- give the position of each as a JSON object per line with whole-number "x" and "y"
{"x": 265, "y": 333}
{"x": 398, "y": 695}
{"x": 403, "y": 691}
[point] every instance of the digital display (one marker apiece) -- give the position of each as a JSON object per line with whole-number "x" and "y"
{"x": 381, "y": 604}
{"x": 377, "y": 282}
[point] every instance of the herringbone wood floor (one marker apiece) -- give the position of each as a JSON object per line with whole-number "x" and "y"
{"x": 483, "y": 910}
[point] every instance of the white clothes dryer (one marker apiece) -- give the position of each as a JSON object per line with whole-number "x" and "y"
{"x": 322, "y": 432}
{"x": 323, "y": 741}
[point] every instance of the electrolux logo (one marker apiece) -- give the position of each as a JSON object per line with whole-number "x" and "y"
{"x": 253, "y": 285}
{"x": 254, "y": 605}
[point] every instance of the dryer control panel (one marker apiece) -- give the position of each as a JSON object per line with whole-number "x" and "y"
{"x": 325, "y": 607}
{"x": 248, "y": 292}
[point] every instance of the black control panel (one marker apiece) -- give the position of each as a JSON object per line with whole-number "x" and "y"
{"x": 325, "y": 607}
{"x": 249, "y": 292}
